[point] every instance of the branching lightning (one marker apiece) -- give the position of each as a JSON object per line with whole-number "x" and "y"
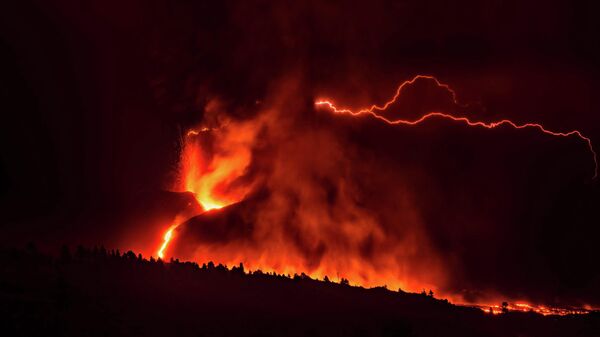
{"x": 489, "y": 125}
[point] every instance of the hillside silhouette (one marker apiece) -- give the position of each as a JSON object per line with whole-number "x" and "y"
{"x": 95, "y": 292}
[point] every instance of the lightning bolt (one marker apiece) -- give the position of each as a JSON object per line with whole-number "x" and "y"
{"x": 373, "y": 109}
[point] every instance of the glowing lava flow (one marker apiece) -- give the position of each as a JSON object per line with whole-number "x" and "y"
{"x": 524, "y": 307}
{"x": 489, "y": 125}
{"x": 166, "y": 239}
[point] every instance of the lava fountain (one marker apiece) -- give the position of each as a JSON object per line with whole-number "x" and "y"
{"x": 211, "y": 161}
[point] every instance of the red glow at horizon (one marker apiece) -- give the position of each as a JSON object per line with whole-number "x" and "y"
{"x": 544, "y": 310}
{"x": 488, "y": 125}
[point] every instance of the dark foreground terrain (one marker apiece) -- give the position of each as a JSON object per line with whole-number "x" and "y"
{"x": 99, "y": 293}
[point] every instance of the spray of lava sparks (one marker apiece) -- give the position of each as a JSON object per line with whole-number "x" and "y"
{"x": 209, "y": 170}
{"x": 306, "y": 225}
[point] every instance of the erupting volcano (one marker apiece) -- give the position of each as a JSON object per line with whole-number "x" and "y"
{"x": 300, "y": 168}
{"x": 301, "y": 208}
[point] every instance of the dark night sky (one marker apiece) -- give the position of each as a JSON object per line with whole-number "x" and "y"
{"x": 94, "y": 96}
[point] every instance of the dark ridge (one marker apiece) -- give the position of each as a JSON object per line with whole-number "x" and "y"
{"x": 95, "y": 292}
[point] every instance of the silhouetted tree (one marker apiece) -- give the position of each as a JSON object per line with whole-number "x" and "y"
{"x": 129, "y": 255}
{"x": 102, "y": 251}
{"x": 31, "y": 248}
{"x": 238, "y": 270}
{"x": 80, "y": 252}
{"x": 67, "y": 289}
{"x": 65, "y": 254}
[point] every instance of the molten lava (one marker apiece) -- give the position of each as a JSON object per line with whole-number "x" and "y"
{"x": 545, "y": 310}
{"x": 210, "y": 171}
{"x": 166, "y": 239}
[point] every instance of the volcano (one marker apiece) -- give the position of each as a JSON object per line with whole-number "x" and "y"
{"x": 233, "y": 224}
{"x": 423, "y": 147}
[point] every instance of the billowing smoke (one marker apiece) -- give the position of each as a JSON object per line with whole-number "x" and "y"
{"x": 98, "y": 95}
{"x": 292, "y": 188}
{"x": 311, "y": 200}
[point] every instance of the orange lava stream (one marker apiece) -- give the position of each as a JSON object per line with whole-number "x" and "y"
{"x": 206, "y": 205}
{"x": 465, "y": 120}
{"x": 166, "y": 240}
{"x": 524, "y": 307}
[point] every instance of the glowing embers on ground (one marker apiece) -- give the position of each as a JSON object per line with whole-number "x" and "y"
{"x": 489, "y": 125}
{"x": 524, "y": 307}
